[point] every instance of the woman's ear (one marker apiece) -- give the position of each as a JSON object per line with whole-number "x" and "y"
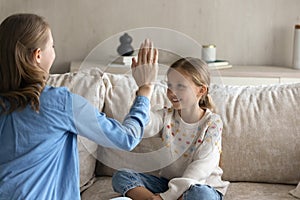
{"x": 37, "y": 55}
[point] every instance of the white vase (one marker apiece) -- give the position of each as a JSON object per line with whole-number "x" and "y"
{"x": 296, "y": 49}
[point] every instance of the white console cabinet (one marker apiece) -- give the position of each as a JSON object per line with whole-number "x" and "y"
{"x": 259, "y": 75}
{"x": 237, "y": 75}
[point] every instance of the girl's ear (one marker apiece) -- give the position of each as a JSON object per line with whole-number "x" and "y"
{"x": 37, "y": 55}
{"x": 202, "y": 90}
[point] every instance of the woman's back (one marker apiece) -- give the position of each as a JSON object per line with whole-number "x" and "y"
{"x": 41, "y": 150}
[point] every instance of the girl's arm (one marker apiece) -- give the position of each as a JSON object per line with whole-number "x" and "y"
{"x": 155, "y": 124}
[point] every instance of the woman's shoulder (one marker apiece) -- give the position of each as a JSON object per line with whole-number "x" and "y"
{"x": 55, "y": 92}
{"x": 55, "y": 89}
{"x": 55, "y": 97}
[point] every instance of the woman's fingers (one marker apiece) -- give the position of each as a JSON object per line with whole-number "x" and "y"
{"x": 145, "y": 51}
{"x": 155, "y": 56}
{"x": 150, "y": 52}
{"x": 145, "y": 69}
{"x": 147, "y": 54}
{"x": 133, "y": 63}
{"x": 140, "y": 54}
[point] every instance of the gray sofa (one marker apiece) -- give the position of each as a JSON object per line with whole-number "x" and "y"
{"x": 261, "y": 136}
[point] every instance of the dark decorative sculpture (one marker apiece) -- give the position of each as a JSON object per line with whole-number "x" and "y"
{"x": 125, "y": 48}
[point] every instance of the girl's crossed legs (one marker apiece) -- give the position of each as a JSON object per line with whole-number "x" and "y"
{"x": 125, "y": 180}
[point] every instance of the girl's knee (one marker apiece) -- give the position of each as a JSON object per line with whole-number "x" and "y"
{"x": 123, "y": 176}
{"x": 124, "y": 180}
{"x": 201, "y": 192}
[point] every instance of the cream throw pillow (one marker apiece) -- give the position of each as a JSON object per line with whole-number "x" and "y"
{"x": 296, "y": 192}
{"x": 120, "y": 94}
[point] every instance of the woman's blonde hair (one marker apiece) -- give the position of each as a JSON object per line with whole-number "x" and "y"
{"x": 199, "y": 72}
{"x": 21, "y": 80}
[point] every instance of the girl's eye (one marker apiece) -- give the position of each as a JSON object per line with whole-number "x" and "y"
{"x": 177, "y": 86}
{"x": 180, "y": 86}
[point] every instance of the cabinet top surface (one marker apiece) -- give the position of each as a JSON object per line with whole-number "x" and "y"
{"x": 261, "y": 71}
{"x": 234, "y": 71}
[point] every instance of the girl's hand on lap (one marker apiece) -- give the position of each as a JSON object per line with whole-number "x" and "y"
{"x": 155, "y": 197}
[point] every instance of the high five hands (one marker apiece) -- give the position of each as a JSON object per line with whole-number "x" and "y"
{"x": 145, "y": 68}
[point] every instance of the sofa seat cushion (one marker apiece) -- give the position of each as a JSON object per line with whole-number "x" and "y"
{"x": 258, "y": 191}
{"x": 296, "y": 192}
{"x": 102, "y": 190}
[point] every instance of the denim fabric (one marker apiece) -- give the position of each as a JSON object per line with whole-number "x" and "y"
{"x": 126, "y": 179}
{"x": 38, "y": 151}
{"x": 202, "y": 192}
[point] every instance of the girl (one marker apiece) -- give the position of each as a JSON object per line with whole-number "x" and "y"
{"x": 192, "y": 137}
{"x": 39, "y": 124}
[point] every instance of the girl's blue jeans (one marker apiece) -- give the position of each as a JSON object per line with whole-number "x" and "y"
{"x": 125, "y": 180}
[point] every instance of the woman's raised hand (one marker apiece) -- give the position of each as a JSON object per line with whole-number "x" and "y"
{"x": 145, "y": 68}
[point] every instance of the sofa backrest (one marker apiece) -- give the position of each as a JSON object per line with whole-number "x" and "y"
{"x": 261, "y": 135}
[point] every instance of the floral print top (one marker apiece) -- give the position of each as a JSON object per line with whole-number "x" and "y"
{"x": 192, "y": 151}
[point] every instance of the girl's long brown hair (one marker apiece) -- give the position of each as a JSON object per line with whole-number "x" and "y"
{"x": 198, "y": 70}
{"x": 21, "y": 80}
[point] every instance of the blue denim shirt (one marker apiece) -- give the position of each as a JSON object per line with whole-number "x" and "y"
{"x": 38, "y": 151}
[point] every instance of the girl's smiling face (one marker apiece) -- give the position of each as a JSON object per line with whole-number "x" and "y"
{"x": 182, "y": 91}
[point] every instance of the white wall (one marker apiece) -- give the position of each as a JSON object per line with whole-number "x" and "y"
{"x": 246, "y": 32}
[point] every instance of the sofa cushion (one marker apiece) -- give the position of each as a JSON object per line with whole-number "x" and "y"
{"x": 296, "y": 191}
{"x": 102, "y": 190}
{"x": 261, "y": 128}
{"x": 87, "y": 83}
{"x": 261, "y": 134}
{"x": 120, "y": 94}
{"x": 258, "y": 191}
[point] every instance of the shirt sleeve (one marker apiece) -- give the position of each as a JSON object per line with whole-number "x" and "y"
{"x": 155, "y": 124}
{"x": 205, "y": 160}
{"x": 105, "y": 131}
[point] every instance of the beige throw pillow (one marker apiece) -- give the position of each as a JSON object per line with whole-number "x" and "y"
{"x": 120, "y": 94}
{"x": 296, "y": 192}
